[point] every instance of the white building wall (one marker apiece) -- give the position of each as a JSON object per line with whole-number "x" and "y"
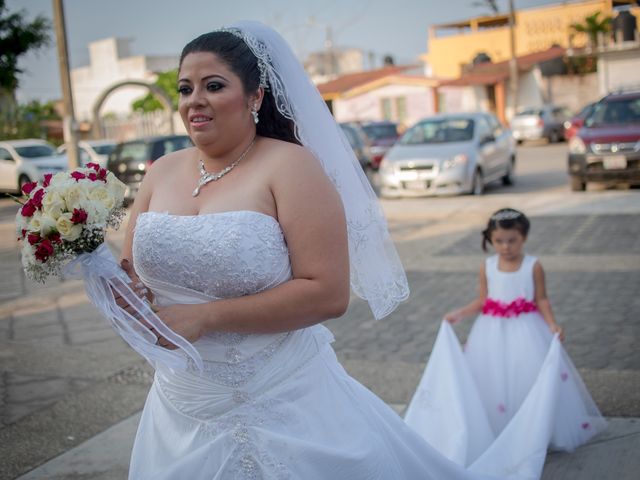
{"x": 368, "y": 106}
{"x": 109, "y": 64}
{"x": 619, "y": 70}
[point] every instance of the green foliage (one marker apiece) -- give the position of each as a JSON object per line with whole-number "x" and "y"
{"x": 592, "y": 26}
{"x": 18, "y": 37}
{"x": 28, "y": 121}
{"x": 167, "y": 81}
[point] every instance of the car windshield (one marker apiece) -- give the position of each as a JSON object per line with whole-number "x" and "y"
{"x": 381, "y": 131}
{"x": 439, "y": 131}
{"x": 35, "y": 151}
{"x": 104, "y": 149}
{"x": 529, "y": 111}
{"x": 623, "y": 111}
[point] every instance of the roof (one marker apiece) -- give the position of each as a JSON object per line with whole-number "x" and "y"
{"x": 347, "y": 82}
{"x": 492, "y": 73}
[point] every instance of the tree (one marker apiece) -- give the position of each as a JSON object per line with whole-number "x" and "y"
{"x": 592, "y": 26}
{"x": 167, "y": 81}
{"x": 491, "y": 4}
{"x": 18, "y": 37}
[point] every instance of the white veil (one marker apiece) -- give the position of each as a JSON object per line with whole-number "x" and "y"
{"x": 376, "y": 272}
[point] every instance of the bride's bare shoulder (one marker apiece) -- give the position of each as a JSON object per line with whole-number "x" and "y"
{"x": 285, "y": 158}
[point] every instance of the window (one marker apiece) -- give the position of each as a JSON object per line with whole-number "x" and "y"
{"x": 441, "y": 131}
{"x": 134, "y": 151}
{"x": 5, "y": 155}
{"x": 387, "y": 114}
{"x": 35, "y": 151}
{"x": 401, "y": 109}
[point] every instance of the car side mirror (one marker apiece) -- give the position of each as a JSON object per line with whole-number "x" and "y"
{"x": 487, "y": 139}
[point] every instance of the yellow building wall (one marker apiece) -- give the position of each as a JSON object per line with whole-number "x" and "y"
{"x": 536, "y": 29}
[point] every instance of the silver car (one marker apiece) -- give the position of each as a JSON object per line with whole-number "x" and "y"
{"x": 538, "y": 123}
{"x": 95, "y": 151}
{"x": 449, "y": 154}
{"x": 24, "y": 161}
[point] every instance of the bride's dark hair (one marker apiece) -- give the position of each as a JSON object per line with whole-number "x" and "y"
{"x": 241, "y": 60}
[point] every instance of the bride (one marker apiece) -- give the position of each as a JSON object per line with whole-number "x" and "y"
{"x": 248, "y": 241}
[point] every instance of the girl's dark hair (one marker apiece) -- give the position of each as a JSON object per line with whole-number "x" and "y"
{"x": 505, "y": 218}
{"x": 241, "y": 60}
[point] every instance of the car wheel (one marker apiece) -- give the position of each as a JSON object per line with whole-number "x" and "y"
{"x": 578, "y": 184}
{"x": 477, "y": 183}
{"x": 554, "y": 137}
{"x": 507, "y": 179}
{"x": 22, "y": 181}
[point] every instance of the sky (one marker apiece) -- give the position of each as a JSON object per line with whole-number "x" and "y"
{"x": 163, "y": 27}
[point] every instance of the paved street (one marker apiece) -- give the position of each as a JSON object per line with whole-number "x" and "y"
{"x": 66, "y": 377}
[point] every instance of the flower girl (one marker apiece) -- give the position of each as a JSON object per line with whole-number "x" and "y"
{"x": 513, "y": 392}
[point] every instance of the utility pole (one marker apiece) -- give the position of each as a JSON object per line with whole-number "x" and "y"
{"x": 513, "y": 63}
{"x": 70, "y": 130}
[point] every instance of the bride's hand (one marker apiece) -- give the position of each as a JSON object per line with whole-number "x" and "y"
{"x": 185, "y": 320}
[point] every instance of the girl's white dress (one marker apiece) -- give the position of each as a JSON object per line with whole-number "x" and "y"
{"x": 497, "y": 404}
{"x": 266, "y": 406}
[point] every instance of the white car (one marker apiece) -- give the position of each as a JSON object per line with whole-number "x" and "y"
{"x": 92, "y": 151}
{"x": 449, "y": 154}
{"x": 24, "y": 161}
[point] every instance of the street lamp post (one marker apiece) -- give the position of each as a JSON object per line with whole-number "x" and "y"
{"x": 70, "y": 130}
{"x": 513, "y": 63}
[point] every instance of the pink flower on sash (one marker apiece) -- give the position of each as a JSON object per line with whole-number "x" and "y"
{"x": 496, "y": 308}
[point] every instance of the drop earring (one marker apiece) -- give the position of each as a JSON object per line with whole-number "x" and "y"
{"x": 254, "y": 112}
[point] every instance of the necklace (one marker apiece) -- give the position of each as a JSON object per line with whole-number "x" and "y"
{"x": 206, "y": 177}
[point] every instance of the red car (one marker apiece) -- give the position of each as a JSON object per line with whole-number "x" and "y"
{"x": 382, "y": 136}
{"x": 576, "y": 122}
{"x": 607, "y": 147}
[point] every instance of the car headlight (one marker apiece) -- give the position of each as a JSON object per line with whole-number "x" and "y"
{"x": 576, "y": 145}
{"x": 458, "y": 160}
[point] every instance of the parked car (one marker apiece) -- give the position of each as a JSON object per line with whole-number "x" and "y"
{"x": 576, "y": 122}
{"x": 24, "y": 161}
{"x": 382, "y": 136}
{"x": 130, "y": 160}
{"x": 449, "y": 154}
{"x": 358, "y": 141}
{"x": 607, "y": 147}
{"x": 94, "y": 151}
{"x": 538, "y": 123}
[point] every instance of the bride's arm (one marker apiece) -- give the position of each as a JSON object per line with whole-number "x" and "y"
{"x": 310, "y": 212}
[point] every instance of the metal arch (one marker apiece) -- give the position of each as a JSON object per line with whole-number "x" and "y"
{"x": 160, "y": 94}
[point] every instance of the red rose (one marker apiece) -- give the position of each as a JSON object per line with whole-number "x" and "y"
{"x": 27, "y": 188}
{"x": 24, "y": 232}
{"x": 44, "y": 251}
{"x": 92, "y": 176}
{"x": 37, "y": 198}
{"x": 78, "y": 175}
{"x": 28, "y": 209}
{"x": 79, "y": 216}
{"x": 95, "y": 166}
{"x": 55, "y": 237}
{"x": 33, "y": 238}
{"x": 47, "y": 179}
{"x": 102, "y": 174}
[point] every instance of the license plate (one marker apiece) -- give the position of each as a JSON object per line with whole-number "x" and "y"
{"x": 415, "y": 185}
{"x": 614, "y": 162}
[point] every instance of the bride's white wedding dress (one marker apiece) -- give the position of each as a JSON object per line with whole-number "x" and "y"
{"x": 266, "y": 406}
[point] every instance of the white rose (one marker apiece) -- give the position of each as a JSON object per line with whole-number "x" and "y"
{"x": 22, "y": 223}
{"x": 75, "y": 194}
{"x": 61, "y": 180}
{"x": 101, "y": 194}
{"x": 35, "y": 223}
{"x": 47, "y": 225}
{"x": 67, "y": 229}
{"x": 97, "y": 213}
{"x": 116, "y": 188}
{"x": 53, "y": 204}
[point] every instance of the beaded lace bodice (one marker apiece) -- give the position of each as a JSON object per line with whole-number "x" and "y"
{"x": 222, "y": 255}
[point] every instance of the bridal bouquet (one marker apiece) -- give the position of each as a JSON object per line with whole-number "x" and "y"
{"x": 62, "y": 226}
{"x": 66, "y": 215}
